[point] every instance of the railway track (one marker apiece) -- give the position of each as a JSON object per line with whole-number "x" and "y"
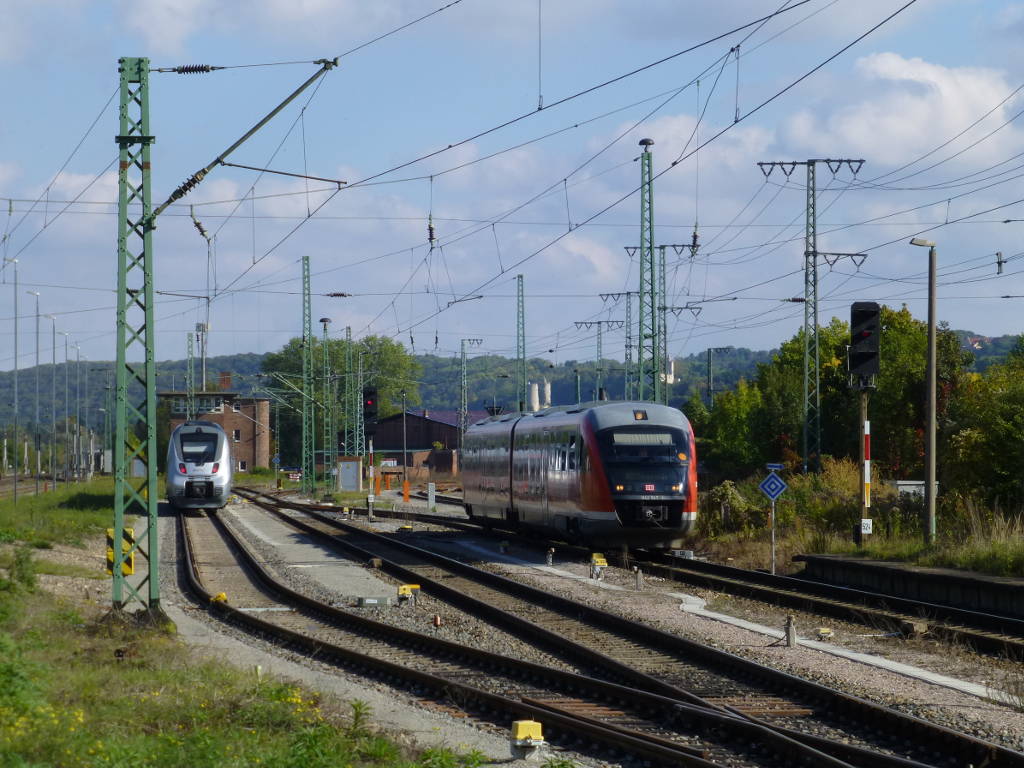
{"x": 984, "y": 632}
{"x": 642, "y": 656}
{"x": 575, "y": 709}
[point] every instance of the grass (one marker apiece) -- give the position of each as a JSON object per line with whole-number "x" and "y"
{"x": 87, "y": 689}
{"x": 83, "y": 688}
{"x": 984, "y": 540}
{"x": 65, "y": 516}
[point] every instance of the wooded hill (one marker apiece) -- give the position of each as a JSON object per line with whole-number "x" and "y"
{"x": 489, "y": 378}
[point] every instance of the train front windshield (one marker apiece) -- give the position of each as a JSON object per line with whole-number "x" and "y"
{"x": 645, "y": 460}
{"x": 198, "y": 447}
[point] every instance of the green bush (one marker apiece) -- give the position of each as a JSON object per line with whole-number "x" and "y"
{"x": 261, "y": 471}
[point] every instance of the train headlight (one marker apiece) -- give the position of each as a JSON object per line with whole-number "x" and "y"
{"x": 677, "y": 487}
{"x": 620, "y": 487}
{"x": 181, "y": 468}
{"x": 216, "y": 466}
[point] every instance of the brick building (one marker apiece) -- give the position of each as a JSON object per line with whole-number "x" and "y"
{"x": 246, "y": 420}
{"x": 422, "y": 430}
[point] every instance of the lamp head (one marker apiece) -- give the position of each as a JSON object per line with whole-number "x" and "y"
{"x": 922, "y": 242}
{"x": 33, "y": 293}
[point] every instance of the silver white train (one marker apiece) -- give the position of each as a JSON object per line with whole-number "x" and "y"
{"x": 198, "y": 466}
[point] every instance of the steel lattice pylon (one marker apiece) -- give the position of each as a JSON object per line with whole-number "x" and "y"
{"x": 812, "y": 362}
{"x": 520, "y": 344}
{"x": 308, "y": 416}
{"x": 360, "y": 430}
{"x": 190, "y": 380}
{"x": 661, "y": 293}
{"x": 351, "y": 397}
{"x": 812, "y": 398}
{"x": 463, "y": 390}
{"x": 330, "y": 439}
{"x": 599, "y": 368}
{"x": 135, "y": 339}
{"x": 628, "y": 357}
{"x": 648, "y": 344}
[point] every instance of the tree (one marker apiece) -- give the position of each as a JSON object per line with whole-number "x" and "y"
{"x": 984, "y": 449}
{"x": 386, "y": 365}
{"x": 732, "y": 448}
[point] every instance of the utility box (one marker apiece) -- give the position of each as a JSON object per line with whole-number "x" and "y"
{"x": 350, "y": 473}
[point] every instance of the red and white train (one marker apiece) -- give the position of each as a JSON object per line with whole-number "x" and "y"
{"x": 607, "y": 473}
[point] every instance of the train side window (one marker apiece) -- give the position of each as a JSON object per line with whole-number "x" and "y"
{"x": 572, "y": 453}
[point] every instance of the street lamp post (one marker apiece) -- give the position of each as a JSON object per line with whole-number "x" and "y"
{"x": 16, "y": 403}
{"x": 53, "y": 403}
{"x": 78, "y": 411}
{"x": 495, "y": 409}
{"x": 929, "y": 447}
{"x": 86, "y": 432}
{"x": 35, "y": 424}
{"x": 67, "y": 411}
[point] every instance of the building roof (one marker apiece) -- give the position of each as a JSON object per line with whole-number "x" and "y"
{"x": 442, "y": 416}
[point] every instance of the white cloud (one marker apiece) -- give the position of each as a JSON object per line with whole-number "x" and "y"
{"x": 906, "y": 107}
{"x": 8, "y": 173}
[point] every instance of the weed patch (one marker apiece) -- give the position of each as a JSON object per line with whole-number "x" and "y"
{"x": 84, "y": 689}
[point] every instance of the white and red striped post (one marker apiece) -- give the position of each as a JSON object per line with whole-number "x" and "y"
{"x": 865, "y": 461}
{"x": 867, "y": 465}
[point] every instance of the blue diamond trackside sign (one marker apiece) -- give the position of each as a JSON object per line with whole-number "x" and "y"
{"x": 773, "y": 486}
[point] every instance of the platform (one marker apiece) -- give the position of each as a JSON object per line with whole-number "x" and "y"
{"x": 1000, "y": 595}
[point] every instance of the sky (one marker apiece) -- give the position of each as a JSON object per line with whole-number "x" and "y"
{"x": 440, "y": 121}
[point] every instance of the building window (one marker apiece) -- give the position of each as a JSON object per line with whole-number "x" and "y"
{"x": 236, "y": 435}
{"x": 179, "y": 405}
{"x": 241, "y": 465}
{"x": 236, "y": 406}
{"x": 210, "y": 404}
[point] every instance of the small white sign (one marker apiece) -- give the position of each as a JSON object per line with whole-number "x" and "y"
{"x": 866, "y": 525}
{"x": 370, "y": 498}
